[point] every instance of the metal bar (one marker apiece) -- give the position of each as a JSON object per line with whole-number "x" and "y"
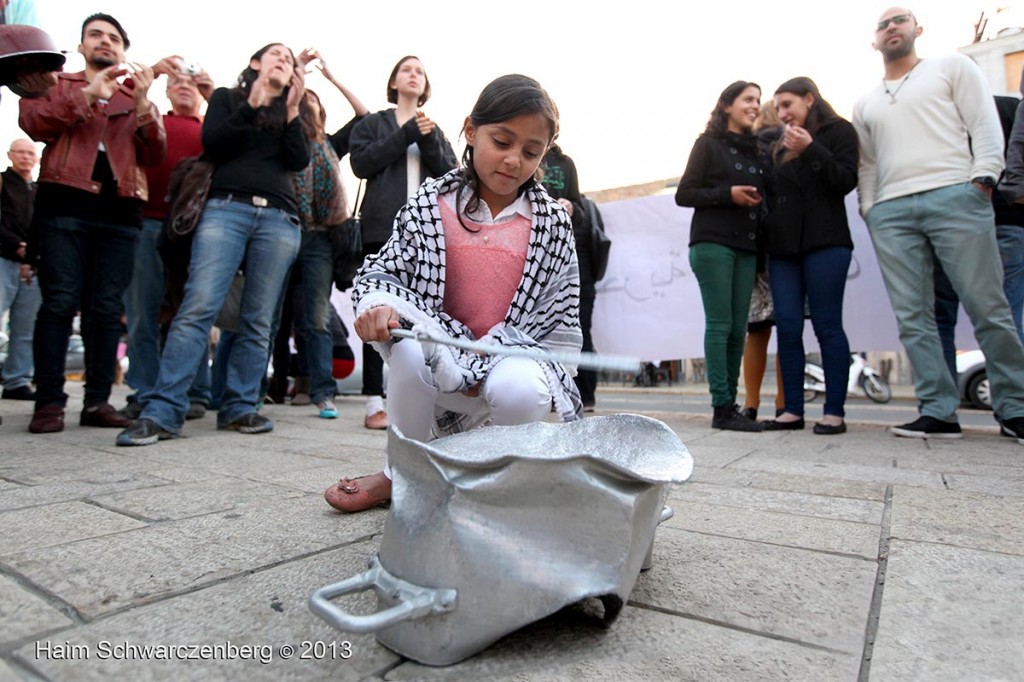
{"x": 581, "y": 360}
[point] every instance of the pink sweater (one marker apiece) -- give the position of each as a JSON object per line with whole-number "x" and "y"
{"x": 483, "y": 268}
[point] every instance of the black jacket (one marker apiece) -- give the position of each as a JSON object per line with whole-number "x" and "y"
{"x": 807, "y": 209}
{"x": 562, "y": 182}
{"x": 16, "y": 197}
{"x": 717, "y": 163}
{"x": 377, "y": 148}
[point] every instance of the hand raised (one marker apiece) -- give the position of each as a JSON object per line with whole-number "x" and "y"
{"x": 376, "y": 324}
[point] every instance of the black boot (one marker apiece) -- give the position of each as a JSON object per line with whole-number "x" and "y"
{"x": 728, "y": 418}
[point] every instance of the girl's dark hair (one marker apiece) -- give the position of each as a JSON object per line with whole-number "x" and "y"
{"x": 313, "y": 125}
{"x": 269, "y": 119}
{"x": 718, "y": 123}
{"x": 393, "y": 92}
{"x": 820, "y": 112}
{"x": 503, "y": 99}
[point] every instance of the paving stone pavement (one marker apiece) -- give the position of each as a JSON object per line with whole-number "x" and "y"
{"x": 790, "y": 556}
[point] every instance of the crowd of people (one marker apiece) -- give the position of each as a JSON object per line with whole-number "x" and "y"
{"x": 494, "y": 246}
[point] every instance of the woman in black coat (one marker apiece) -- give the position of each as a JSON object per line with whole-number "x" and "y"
{"x": 723, "y": 183}
{"x": 809, "y": 246}
{"x": 394, "y": 150}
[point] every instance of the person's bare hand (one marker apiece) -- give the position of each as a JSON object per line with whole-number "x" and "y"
{"x": 26, "y": 273}
{"x": 143, "y": 77}
{"x": 258, "y": 92}
{"x": 36, "y": 83}
{"x": 168, "y": 66}
{"x": 745, "y": 195}
{"x": 376, "y": 324}
{"x": 425, "y": 125}
{"x": 204, "y": 83}
{"x": 306, "y": 56}
{"x": 104, "y": 83}
{"x": 567, "y": 205}
{"x": 296, "y": 91}
{"x": 21, "y": 250}
{"x": 796, "y": 139}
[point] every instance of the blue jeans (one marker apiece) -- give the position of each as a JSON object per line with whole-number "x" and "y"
{"x": 84, "y": 266}
{"x": 954, "y": 226}
{"x": 315, "y": 265}
{"x": 142, "y": 308}
{"x": 22, "y": 300}
{"x": 267, "y": 239}
{"x": 820, "y": 277}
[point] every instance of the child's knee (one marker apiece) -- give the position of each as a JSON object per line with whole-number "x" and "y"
{"x": 516, "y": 392}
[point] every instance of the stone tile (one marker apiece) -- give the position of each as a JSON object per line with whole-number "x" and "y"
{"x": 864, "y": 490}
{"x": 639, "y": 645}
{"x": 18, "y": 496}
{"x": 24, "y": 614}
{"x": 179, "y": 556}
{"x": 985, "y": 484}
{"x": 859, "y": 511}
{"x": 825, "y": 535}
{"x": 62, "y": 462}
{"x": 715, "y": 456}
{"x": 850, "y": 472}
{"x": 798, "y": 594}
{"x": 229, "y": 455}
{"x": 192, "y": 499}
{"x": 965, "y": 519}
{"x": 949, "y": 613}
{"x": 7, "y": 673}
{"x": 58, "y": 524}
{"x": 264, "y": 610}
{"x": 316, "y": 480}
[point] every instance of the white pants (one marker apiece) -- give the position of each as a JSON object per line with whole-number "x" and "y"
{"x": 515, "y": 392}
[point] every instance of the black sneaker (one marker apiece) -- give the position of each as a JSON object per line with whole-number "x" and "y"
{"x": 928, "y": 427}
{"x": 1014, "y": 428}
{"x": 132, "y": 410}
{"x": 195, "y": 411}
{"x": 729, "y": 418}
{"x": 20, "y": 393}
{"x": 143, "y": 432}
{"x": 249, "y": 423}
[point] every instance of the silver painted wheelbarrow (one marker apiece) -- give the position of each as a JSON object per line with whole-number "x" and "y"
{"x": 499, "y": 527}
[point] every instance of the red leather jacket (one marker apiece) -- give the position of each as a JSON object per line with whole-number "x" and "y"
{"x": 73, "y": 130}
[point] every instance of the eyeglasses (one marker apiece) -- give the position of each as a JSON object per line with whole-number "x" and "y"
{"x": 899, "y": 20}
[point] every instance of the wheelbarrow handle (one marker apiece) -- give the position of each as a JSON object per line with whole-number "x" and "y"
{"x": 413, "y": 601}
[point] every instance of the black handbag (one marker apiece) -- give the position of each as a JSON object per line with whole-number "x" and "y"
{"x": 347, "y": 247}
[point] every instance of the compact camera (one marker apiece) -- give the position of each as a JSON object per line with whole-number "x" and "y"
{"x": 189, "y": 68}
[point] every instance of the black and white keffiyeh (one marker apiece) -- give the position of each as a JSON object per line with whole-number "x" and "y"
{"x": 408, "y": 274}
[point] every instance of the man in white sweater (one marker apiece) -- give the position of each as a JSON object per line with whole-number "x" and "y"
{"x": 931, "y": 151}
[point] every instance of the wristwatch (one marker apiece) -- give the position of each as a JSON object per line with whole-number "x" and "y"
{"x": 986, "y": 181}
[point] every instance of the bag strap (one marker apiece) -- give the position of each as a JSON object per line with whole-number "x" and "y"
{"x": 359, "y": 194}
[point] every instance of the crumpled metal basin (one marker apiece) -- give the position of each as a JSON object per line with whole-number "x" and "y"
{"x": 499, "y": 527}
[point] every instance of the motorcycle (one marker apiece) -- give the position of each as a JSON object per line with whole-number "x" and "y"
{"x": 862, "y": 378}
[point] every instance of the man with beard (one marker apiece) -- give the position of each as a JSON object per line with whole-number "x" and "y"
{"x": 931, "y": 150}
{"x": 184, "y": 125}
{"x": 98, "y": 131}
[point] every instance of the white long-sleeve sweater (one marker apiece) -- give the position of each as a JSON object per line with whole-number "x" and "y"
{"x": 920, "y": 141}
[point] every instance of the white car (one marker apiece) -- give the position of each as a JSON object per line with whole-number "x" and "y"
{"x": 972, "y": 379}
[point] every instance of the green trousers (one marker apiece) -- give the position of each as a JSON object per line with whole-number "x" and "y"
{"x": 726, "y": 278}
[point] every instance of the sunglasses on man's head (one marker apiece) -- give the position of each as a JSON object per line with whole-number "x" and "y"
{"x": 898, "y": 20}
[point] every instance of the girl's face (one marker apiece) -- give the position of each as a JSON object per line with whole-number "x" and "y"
{"x": 506, "y": 155}
{"x": 793, "y": 108}
{"x": 741, "y": 114}
{"x": 276, "y": 64}
{"x": 314, "y": 105}
{"x": 411, "y": 79}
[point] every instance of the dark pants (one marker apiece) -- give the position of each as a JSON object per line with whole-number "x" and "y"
{"x": 820, "y": 277}
{"x": 586, "y": 379}
{"x": 373, "y": 363}
{"x": 84, "y": 266}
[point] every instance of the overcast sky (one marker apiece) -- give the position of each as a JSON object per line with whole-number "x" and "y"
{"x": 635, "y": 81}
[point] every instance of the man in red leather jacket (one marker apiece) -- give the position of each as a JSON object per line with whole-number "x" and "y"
{"x": 98, "y": 131}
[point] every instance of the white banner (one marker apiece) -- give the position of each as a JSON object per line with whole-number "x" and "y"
{"x": 649, "y": 304}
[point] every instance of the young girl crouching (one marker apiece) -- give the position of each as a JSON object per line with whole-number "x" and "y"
{"x": 480, "y": 253}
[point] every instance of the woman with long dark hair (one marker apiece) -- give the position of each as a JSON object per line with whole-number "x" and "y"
{"x": 395, "y": 150}
{"x": 723, "y": 183}
{"x": 809, "y": 245}
{"x": 253, "y": 135}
